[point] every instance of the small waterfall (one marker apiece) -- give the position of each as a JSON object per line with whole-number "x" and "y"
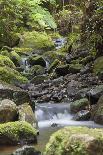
{"x": 60, "y": 42}
{"x": 59, "y": 115}
{"x": 25, "y": 64}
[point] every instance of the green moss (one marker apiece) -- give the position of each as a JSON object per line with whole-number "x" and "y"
{"x": 16, "y": 131}
{"x": 5, "y": 53}
{"x": 79, "y": 105}
{"x": 76, "y": 66}
{"x": 5, "y": 61}
{"x": 53, "y": 65}
{"x": 75, "y": 141}
{"x": 11, "y": 76}
{"x": 98, "y": 65}
{"x": 37, "y": 40}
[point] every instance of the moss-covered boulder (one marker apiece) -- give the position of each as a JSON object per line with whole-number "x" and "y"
{"x": 98, "y": 65}
{"x": 79, "y": 105}
{"x": 36, "y": 40}
{"x": 16, "y": 132}
{"x": 53, "y": 65}
{"x": 76, "y": 141}
{"x": 75, "y": 68}
{"x": 38, "y": 60}
{"x": 12, "y": 76}
{"x": 8, "y": 111}
{"x": 39, "y": 79}
{"x": 15, "y": 58}
{"x": 5, "y": 61}
{"x": 23, "y": 51}
{"x": 37, "y": 70}
{"x": 98, "y": 111}
{"x": 26, "y": 114}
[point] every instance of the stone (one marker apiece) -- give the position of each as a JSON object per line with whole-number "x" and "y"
{"x": 8, "y": 111}
{"x": 98, "y": 111}
{"x": 13, "y": 133}
{"x": 94, "y": 94}
{"x": 62, "y": 70}
{"x": 26, "y": 150}
{"x": 79, "y": 105}
{"x": 98, "y": 65}
{"x": 75, "y": 141}
{"x": 83, "y": 115}
{"x": 25, "y": 113}
{"x": 39, "y": 79}
{"x": 37, "y": 70}
{"x": 37, "y": 60}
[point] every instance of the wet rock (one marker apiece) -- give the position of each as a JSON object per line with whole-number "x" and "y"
{"x": 8, "y": 111}
{"x": 26, "y": 150}
{"x": 55, "y": 63}
{"x": 98, "y": 111}
{"x": 26, "y": 114}
{"x": 94, "y": 94}
{"x": 75, "y": 68}
{"x": 78, "y": 105}
{"x": 83, "y": 115}
{"x": 38, "y": 60}
{"x": 37, "y": 70}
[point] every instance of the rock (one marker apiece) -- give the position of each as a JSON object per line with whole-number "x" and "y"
{"x": 39, "y": 79}
{"x": 62, "y": 70}
{"x": 75, "y": 141}
{"x": 38, "y": 60}
{"x": 98, "y": 65}
{"x": 26, "y": 114}
{"x": 8, "y": 111}
{"x": 37, "y": 70}
{"x": 26, "y": 150}
{"x": 82, "y": 115}
{"x": 15, "y": 58}
{"x": 55, "y": 63}
{"x": 12, "y": 133}
{"x": 94, "y": 94}
{"x": 78, "y": 105}
{"x": 98, "y": 111}
{"x": 14, "y": 93}
{"x": 75, "y": 68}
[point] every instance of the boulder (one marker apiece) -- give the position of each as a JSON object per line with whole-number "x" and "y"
{"x": 12, "y": 133}
{"x": 8, "y": 111}
{"x": 53, "y": 65}
{"x": 98, "y": 111}
{"x": 26, "y": 114}
{"x": 37, "y": 60}
{"x": 98, "y": 65}
{"x": 75, "y": 68}
{"x": 62, "y": 70}
{"x": 76, "y": 141}
{"x": 79, "y": 105}
{"x": 82, "y": 115}
{"x": 37, "y": 70}
{"x": 39, "y": 79}
{"x": 26, "y": 150}
{"x": 94, "y": 94}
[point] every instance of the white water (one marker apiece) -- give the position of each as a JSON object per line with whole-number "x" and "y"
{"x": 25, "y": 64}
{"x": 59, "y": 114}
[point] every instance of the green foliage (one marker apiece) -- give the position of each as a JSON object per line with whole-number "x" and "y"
{"x": 5, "y": 61}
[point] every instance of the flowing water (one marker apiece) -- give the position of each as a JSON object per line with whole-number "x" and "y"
{"x": 51, "y": 117}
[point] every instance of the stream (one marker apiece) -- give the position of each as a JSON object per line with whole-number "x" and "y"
{"x": 51, "y": 117}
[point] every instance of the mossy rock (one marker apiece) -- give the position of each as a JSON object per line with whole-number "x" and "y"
{"x": 16, "y": 132}
{"x": 5, "y": 53}
{"x": 62, "y": 70}
{"x": 15, "y": 58}
{"x": 53, "y": 65}
{"x": 75, "y": 68}
{"x": 98, "y": 111}
{"x": 5, "y": 61}
{"x": 79, "y": 105}
{"x": 37, "y": 70}
{"x": 76, "y": 141}
{"x": 37, "y": 60}
{"x": 23, "y": 51}
{"x": 98, "y": 65}
{"x": 36, "y": 40}
{"x": 11, "y": 76}
{"x": 39, "y": 79}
